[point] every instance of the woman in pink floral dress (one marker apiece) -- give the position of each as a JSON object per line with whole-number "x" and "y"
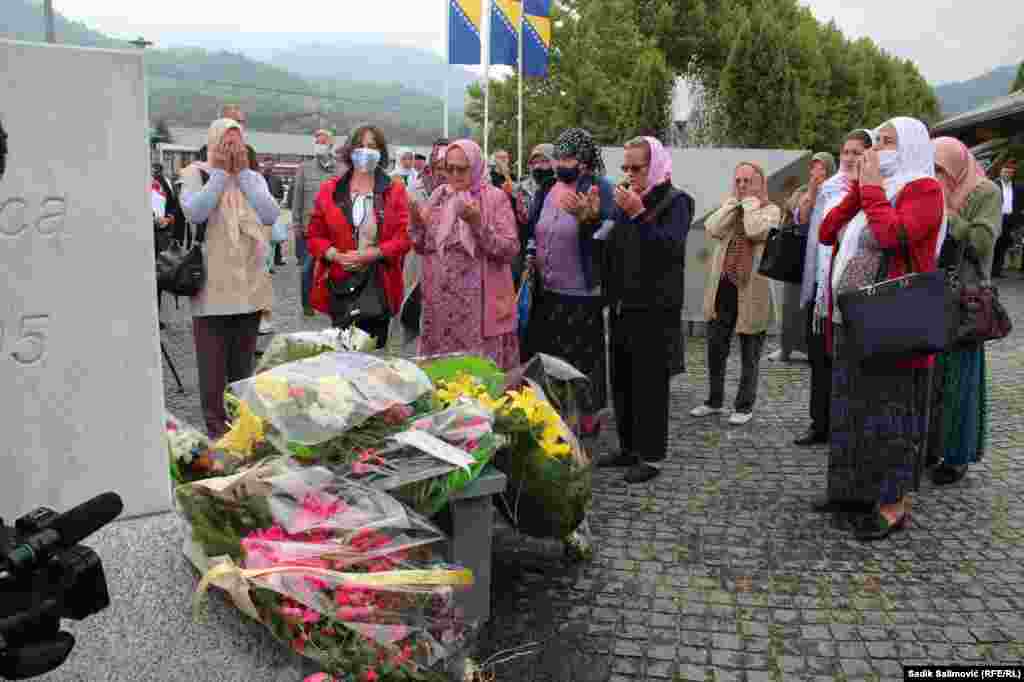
{"x": 468, "y": 240}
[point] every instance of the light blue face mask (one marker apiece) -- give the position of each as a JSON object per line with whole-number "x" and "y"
{"x": 365, "y": 159}
{"x": 888, "y": 162}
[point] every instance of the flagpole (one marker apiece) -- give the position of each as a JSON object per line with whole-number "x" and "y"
{"x": 485, "y": 48}
{"x": 448, "y": 59}
{"x": 519, "y": 155}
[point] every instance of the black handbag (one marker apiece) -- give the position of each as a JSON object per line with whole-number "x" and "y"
{"x": 784, "y": 254}
{"x": 357, "y": 297}
{"x": 181, "y": 271}
{"x": 979, "y": 316}
{"x": 904, "y": 316}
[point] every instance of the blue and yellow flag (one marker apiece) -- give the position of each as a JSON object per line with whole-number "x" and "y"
{"x": 505, "y": 31}
{"x": 465, "y": 19}
{"x": 538, "y": 8}
{"x": 536, "y": 42}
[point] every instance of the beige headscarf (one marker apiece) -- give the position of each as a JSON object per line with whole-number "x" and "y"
{"x": 232, "y": 202}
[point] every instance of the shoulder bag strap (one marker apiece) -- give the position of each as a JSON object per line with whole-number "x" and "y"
{"x": 201, "y": 227}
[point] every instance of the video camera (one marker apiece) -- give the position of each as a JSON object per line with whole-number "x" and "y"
{"x": 45, "y": 575}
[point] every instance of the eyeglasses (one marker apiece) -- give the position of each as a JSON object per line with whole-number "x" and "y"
{"x": 458, "y": 170}
{"x": 633, "y": 169}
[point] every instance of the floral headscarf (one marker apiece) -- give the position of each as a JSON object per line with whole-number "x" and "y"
{"x": 579, "y": 144}
{"x": 450, "y": 228}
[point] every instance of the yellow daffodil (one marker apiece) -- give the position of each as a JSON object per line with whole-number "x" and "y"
{"x": 270, "y": 388}
{"x": 245, "y": 433}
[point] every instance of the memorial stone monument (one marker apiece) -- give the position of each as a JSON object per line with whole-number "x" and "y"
{"x": 81, "y": 398}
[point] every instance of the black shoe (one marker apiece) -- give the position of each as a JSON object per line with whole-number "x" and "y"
{"x": 279, "y": 263}
{"x": 812, "y": 437}
{"x": 617, "y": 459}
{"x": 947, "y": 475}
{"x": 163, "y": 325}
{"x": 824, "y": 505}
{"x": 872, "y": 527}
{"x": 641, "y": 472}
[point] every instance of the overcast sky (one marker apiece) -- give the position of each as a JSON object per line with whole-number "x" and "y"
{"x": 948, "y": 39}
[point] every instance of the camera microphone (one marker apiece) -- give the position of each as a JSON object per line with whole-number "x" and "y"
{"x": 66, "y": 530}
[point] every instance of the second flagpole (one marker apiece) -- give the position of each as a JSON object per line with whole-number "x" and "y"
{"x": 485, "y": 47}
{"x": 519, "y": 154}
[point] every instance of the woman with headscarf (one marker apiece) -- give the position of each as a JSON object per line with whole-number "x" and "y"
{"x": 359, "y": 220}
{"x": 237, "y": 208}
{"x": 643, "y": 285}
{"x": 792, "y": 318}
{"x": 880, "y": 406}
{"x": 958, "y": 425}
{"x": 405, "y": 326}
{"x": 467, "y": 239}
{"x": 567, "y": 318}
{"x": 817, "y": 265}
{"x": 736, "y": 298}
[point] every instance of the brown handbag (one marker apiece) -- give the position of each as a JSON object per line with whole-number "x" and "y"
{"x": 980, "y": 315}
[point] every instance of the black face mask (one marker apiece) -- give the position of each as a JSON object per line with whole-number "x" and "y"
{"x": 568, "y": 175}
{"x": 542, "y": 175}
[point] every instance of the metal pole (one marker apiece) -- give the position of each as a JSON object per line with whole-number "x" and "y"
{"x": 447, "y": 60}
{"x": 519, "y": 154}
{"x": 485, "y": 47}
{"x": 51, "y": 31}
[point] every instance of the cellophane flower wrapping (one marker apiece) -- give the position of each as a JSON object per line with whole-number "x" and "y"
{"x": 285, "y": 348}
{"x": 310, "y": 401}
{"x": 563, "y": 385}
{"x": 420, "y": 479}
{"x": 343, "y": 573}
{"x": 446, "y": 368}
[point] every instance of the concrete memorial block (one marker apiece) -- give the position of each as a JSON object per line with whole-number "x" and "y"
{"x": 80, "y": 372}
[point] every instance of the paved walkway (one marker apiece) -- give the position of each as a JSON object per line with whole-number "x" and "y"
{"x": 716, "y": 571}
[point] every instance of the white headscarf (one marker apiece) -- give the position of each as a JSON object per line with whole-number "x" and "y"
{"x": 916, "y": 160}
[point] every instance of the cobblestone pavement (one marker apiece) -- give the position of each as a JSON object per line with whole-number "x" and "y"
{"x": 717, "y": 571}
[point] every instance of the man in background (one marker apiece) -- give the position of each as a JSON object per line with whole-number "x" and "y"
{"x": 1013, "y": 214}
{"x": 405, "y": 171}
{"x": 308, "y": 178}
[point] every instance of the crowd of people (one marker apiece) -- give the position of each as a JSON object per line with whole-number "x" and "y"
{"x": 432, "y": 259}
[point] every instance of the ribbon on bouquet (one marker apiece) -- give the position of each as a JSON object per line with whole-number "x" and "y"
{"x": 234, "y": 580}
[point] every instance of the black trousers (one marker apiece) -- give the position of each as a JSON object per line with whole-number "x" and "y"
{"x": 225, "y": 353}
{"x": 642, "y": 341}
{"x": 1002, "y": 245}
{"x": 720, "y": 331}
{"x": 821, "y": 376}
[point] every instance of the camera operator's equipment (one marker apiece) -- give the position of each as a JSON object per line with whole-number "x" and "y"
{"x": 45, "y": 575}
{"x": 3, "y": 151}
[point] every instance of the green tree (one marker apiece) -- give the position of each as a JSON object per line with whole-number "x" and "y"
{"x": 758, "y": 92}
{"x": 1018, "y": 82}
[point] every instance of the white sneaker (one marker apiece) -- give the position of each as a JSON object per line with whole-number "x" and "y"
{"x": 777, "y": 356}
{"x": 740, "y": 418}
{"x": 705, "y": 411}
{"x": 266, "y": 327}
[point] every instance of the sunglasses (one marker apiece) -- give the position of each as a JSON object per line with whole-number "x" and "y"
{"x": 633, "y": 169}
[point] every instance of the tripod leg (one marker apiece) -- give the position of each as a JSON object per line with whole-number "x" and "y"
{"x": 170, "y": 363}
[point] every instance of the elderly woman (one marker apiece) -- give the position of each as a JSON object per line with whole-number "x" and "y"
{"x": 237, "y": 208}
{"x": 360, "y": 222}
{"x": 567, "y": 319}
{"x": 880, "y": 406}
{"x": 792, "y": 315}
{"x": 467, "y": 239}
{"x": 736, "y": 298}
{"x": 974, "y": 204}
{"x": 817, "y": 266}
{"x": 643, "y": 284}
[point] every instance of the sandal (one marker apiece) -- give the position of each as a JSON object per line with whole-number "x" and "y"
{"x": 876, "y": 526}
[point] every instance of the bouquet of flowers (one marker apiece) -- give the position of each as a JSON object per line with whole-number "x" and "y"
{"x": 193, "y": 457}
{"x": 312, "y": 400}
{"x": 341, "y": 572}
{"x": 438, "y": 456}
{"x": 549, "y": 472}
{"x": 561, "y": 383}
{"x": 285, "y": 348}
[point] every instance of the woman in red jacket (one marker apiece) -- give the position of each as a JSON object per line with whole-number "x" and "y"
{"x": 360, "y": 219}
{"x": 879, "y": 408}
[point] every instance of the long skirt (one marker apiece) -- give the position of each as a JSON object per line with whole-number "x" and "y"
{"x": 959, "y": 417}
{"x": 572, "y": 328}
{"x": 879, "y": 428}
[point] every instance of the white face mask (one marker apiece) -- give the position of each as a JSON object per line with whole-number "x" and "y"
{"x": 888, "y": 162}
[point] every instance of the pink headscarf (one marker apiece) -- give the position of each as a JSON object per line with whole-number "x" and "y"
{"x": 963, "y": 172}
{"x": 659, "y": 170}
{"x": 450, "y": 228}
